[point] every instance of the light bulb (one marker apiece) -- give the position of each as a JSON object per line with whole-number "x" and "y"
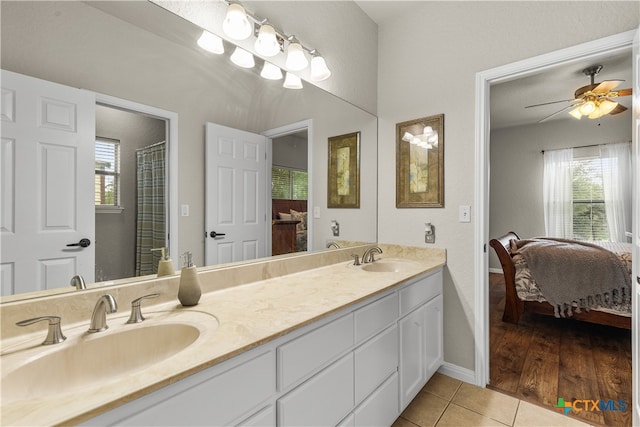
{"x": 319, "y": 69}
{"x": 271, "y": 72}
{"x": 242, "y": 58}
{"x": 291, "y": 81}
{"x": 296, "y": 60}
{"x": 587, "y": 108}
{"x": 236, "y": 24}
{"x": 211, "y": 43}
{"x": 267, "y": 42}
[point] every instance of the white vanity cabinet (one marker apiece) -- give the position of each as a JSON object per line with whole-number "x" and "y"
{"x": 360, "y": 366}
{"x": 420, "y": 326}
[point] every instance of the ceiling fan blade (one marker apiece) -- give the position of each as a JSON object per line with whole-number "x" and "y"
{"x": 549, "y": 103}
{"x": 619, "y": 109}
{"x": 606, "y": 86}
{"x": 624, "y": 92}
{"x": 557, "y": 112}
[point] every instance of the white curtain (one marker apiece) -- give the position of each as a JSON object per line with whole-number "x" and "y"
{"x": 558, "y": 194}
{"x": 616, "y": 180}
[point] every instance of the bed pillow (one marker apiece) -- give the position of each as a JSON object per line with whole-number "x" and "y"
{"x": 285, "y": 216}
{"x": 302, "y": 217}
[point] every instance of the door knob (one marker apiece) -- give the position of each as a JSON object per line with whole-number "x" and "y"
{"x": 213, "y": 234}
{"x": 82, "y": 243}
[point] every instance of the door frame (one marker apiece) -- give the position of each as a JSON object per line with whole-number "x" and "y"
{"x": 484, "y": 79}
{"x": 278, "y": 132}
{"x": 171, "y": 195}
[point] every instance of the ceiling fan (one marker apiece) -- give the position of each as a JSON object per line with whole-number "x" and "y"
{"x": 593, "y": 100}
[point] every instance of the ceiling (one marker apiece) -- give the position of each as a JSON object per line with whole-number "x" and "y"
{"x": 508, "y": 99}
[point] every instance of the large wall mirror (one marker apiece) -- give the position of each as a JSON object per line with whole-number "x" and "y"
{"x": 139, "y": 52}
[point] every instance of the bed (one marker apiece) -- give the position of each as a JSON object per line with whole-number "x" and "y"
{"x": 288, "y": 226}
{"x": 524, "y": 294}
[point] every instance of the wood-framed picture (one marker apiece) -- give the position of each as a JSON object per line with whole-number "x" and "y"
{"x": 420, "y": 163}
{"x": 343, "y": 189}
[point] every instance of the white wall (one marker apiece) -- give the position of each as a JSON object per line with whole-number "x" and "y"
{"x": 427, "y": 65}
{"x": 517, "y": 165}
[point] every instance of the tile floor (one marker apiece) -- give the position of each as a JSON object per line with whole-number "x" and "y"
{"x": 445, "y": 401}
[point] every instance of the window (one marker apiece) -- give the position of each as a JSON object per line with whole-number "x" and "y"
{"x": 589, "y": 213}
{"x": 289, "y": 183}
{"x": 107, "y": 174}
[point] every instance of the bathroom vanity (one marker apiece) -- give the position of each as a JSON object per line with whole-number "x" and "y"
{"x": 337, "y": 344}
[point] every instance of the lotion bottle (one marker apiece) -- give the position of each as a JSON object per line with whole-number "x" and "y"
{"x": 165, "y": 265}
{"x": 189, "y": 291}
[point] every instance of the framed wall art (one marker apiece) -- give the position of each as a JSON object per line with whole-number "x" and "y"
{"x": 343, "y": 189}
{"x": 420, "y": 163}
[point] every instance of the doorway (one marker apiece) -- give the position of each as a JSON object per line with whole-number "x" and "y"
{"x": 484, "y": 80}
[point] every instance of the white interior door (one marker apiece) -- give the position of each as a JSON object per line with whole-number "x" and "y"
{"x": 235, "y": 217}
{"x": 46, "y": 184}
{"x": 635, "y": 136}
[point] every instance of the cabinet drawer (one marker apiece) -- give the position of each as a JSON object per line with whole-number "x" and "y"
{"x": 323, "y": 400}
{"x": 420, "y": 292}
{"x": 266, "y": 417}
{"x": 375, "y": 360}
{"x": 308, "y": 353}
{"x": 381, "y": 408}
{"x": 373, "y": 318}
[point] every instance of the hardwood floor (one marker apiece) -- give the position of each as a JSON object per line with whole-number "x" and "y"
{"x": 543, "y": 358}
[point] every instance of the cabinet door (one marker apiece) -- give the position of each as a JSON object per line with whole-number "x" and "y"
{"x": 413, "y": 350}
{"x": 434, "y": 331}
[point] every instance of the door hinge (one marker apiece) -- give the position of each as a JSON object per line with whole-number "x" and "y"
{"x": 485, "y": 248}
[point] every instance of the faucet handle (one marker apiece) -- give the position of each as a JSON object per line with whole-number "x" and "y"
{"x": 54, "y": 334}
{"x": 356, "y": 259}
{"x": 136, "y": 312}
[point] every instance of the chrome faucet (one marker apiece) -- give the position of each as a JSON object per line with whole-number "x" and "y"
{"x": 333, "y": 245}
{"x": 368, "y": 255}
{"x": 106, "y": 304}
{"x": 78, "y": 283}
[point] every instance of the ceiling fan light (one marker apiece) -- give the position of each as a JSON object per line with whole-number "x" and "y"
{"x": 576, "y": 113}
{"x": 607, "y": 106}
{"x": 271, "y": 72}
{"x": 267, "y": 42}
{"x": 587, "y": 108}
{"x": 211, "y": 43}
{"x": 236, "y": 24}
{"x": 242, "y": 58}
{"x": 596, "y": 114}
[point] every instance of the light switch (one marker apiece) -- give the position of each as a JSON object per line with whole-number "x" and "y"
{"x": 316, "y": 211}
{"x": 465, "y": 213}
{"x": 184, "y": 210}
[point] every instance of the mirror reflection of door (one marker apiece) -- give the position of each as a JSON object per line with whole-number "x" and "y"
{"x": 289, "y": 193}
{"x": 129, "y": 192}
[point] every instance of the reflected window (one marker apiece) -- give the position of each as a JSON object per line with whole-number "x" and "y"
{"x": 289, "y": 183}
{"x": 107, "y": 174}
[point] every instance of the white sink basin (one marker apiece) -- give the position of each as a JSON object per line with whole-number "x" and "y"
{"x": 86, "y": 360}
{"x": 390, "y": 265}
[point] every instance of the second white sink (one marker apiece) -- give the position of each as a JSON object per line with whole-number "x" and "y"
{"x": 390, "y": 265}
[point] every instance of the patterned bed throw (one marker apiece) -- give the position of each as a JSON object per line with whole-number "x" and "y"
{"x": 572, "y": 275}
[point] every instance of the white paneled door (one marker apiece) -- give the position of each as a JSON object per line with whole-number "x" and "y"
{"x": 235, "y": 217}
{"x": 46, "y": 184}
{"x": 636, "y": 230}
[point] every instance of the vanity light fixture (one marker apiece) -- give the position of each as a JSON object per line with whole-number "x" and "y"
{"x": 242, "y": 58}
{"x": 236, "y": 22}
{"x": 270, "y": 71}
{"x": 211, "y": 43}
{"x": 296, "y": 59}
{"x": 267, "y": 42}
{"x": 291, "y": 81}
{"x": 427, "y": 139}
{"x": 319, "y": 69}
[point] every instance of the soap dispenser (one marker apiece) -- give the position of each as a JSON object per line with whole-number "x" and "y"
{"x": 189, "y": 291}
{"x": 165, "y": 265}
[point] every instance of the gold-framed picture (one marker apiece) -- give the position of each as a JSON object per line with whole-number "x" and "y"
{"x": 343, "y": 189}
{"x": 420, "y": 163}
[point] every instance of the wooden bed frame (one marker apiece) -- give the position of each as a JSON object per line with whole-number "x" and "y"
{"x": 514, "y": 306}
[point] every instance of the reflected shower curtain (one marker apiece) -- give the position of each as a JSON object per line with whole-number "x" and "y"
{"x": 150, "y": 223}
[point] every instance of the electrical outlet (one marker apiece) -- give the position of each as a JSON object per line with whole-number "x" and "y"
{"x": 464, "y": 213}
{"x": 429, "y": 233}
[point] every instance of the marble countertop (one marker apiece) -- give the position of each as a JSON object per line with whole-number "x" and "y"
{"x": 249, "y": 315}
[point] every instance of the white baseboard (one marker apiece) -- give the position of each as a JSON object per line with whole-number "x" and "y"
{"x": 495, "y": 270}
{"x": 459, "y": 373}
